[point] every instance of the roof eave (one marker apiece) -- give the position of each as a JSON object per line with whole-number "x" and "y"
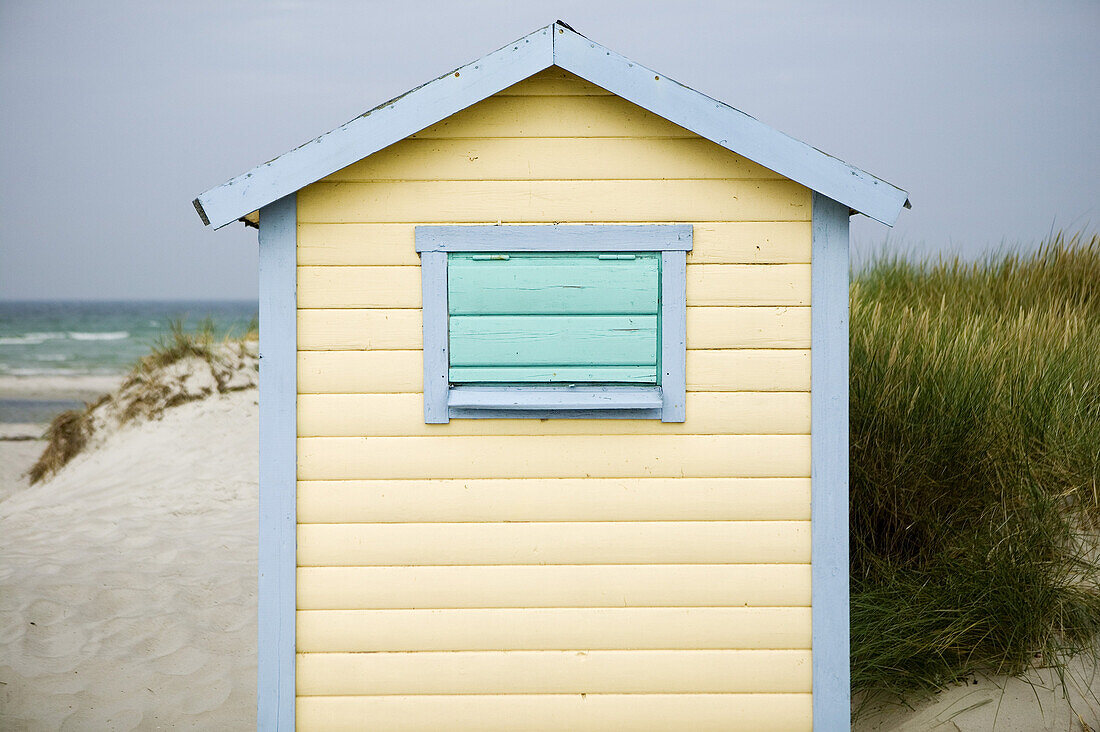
{"x": 554, "y": 45}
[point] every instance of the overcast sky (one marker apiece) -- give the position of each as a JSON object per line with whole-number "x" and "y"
{"x": 114, "y": 115}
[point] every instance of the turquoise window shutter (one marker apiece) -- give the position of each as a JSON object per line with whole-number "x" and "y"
{"x": 563, "y": 317}
{"x": 554, "y": 321}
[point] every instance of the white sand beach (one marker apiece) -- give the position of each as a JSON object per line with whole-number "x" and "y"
{"x": 128, "y": 580}
{"x": 128, "y": 589}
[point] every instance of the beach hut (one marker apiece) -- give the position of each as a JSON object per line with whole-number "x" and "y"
{"x": 553, "y": 402}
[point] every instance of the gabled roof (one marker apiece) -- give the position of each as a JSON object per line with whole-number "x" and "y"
{"x": 554, "y": 45}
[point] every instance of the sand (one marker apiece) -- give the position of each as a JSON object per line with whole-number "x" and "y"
{"x": 128, "y": 580}
{"x": 1037, "y": 703}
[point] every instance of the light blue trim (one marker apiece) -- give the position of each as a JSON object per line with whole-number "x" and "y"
{"x": 278, "y": 465}
{"x": 433, "y": 283}
{"x": 674, "y": 335}
{"x": 571, "y": 237}
{"x": 565, "y": 398}
{"x": 433, "y": 243}
{"x": 382, "y": 126}
{"x": 829, "y": 464}
{"x": 728, "y": 127}
{"x": 559, "y": 45}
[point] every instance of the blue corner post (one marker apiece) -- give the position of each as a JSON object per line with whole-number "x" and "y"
{"x": 278, "y": 459}
{"x": 829, "y": 464}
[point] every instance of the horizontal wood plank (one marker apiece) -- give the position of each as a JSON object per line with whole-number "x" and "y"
{"x": 708, "y": 413}
{"x": 560, "y": 499}
{"x": 586, "y": 542}
{"x": 385, "y": 372}
{"x": 519, "y": 586}
{"x": 399, "y": 287}
{"x": 557, "y": 456}
{"x": 713, "y": 243}
{"x": 748, "y": 284}
{"x": 554, "y": 201}
{"x": 552, "y": 340}
{"x": 554, "y": 158}
{"x": 558, "y": 116}
{"x": 555, "y": 284}
{"x": 552, "y": 82}
{"x": 540, "y": 629}
{"x": 551, "y": 374}
{"x": 553, "y": 672}
{"x": 337, "y": 329}
{"x": 555, "y": 712}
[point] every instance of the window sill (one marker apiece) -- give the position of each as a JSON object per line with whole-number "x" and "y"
{"x": 547, "y": 402}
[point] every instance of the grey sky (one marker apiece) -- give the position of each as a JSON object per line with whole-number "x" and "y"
{"x": 113, "y": 116}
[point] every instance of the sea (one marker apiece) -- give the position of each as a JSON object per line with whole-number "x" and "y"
{"x": 77, "y": 339}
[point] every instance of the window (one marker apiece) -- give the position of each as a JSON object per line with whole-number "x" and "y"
{"x": 554, "y": 321}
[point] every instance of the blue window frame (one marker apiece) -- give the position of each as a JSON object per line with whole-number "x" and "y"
{"x": 635, "y": 367}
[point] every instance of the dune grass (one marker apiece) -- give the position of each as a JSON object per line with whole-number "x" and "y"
{"x": 975, "y": 465}
{"x": 69, "y": 432}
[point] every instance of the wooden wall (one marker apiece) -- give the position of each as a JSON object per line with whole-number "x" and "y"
{"x": 563, "y": 574}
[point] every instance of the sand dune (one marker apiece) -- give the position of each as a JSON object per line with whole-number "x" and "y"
{"x": 128, "y": 580}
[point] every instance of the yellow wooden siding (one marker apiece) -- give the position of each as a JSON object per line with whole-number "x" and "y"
{"x": 547, "y": 712}
{"x": 565, "y": 116}
{"x": 549, "y": 201}
{"x": 554, "y": 499}
{"x": 346, "y": 329}
{"x": 554, "y": 81}
{"x": 743, "y": 242}
{"x": 554, "y": 542}
{"x": 555, "y": 456}
{"x": 713, "y": 413}
{"x": 401, "y": 372}
{"x": 547, "y": 585}
{"x": 555, "y": 672}
{"x": 452, "y": 573}
{"x": 553, "y": 158}
{"x": 550, "y": 629}
{"x": 399, "y": 287}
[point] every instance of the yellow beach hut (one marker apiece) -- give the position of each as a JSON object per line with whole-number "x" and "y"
{"x": 553, "y": 402}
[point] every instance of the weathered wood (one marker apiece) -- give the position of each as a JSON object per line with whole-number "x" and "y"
{"x": 522, "y": 586}
{"x": 554, "y": 284}
{"x": 560, "y": 456}
{"x": 553, "y": 340}
{"x": 546, "y": 629}
{"x": 551, "y": 374}
{"x": 554, "y": 672}
{"x": 577, "y": 499}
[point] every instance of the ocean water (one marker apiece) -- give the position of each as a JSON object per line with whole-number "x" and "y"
{"x": 56, "y": 339}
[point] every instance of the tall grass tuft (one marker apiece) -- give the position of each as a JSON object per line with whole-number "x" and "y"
{"x": 975, "y": 465}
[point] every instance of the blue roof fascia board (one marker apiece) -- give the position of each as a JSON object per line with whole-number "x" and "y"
{"x": 553, "y": 45}
{"x": 376, "y": 129}
{"x": 728, "y": 127}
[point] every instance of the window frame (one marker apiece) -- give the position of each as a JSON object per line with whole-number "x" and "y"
{"x": 443, "y": 402}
